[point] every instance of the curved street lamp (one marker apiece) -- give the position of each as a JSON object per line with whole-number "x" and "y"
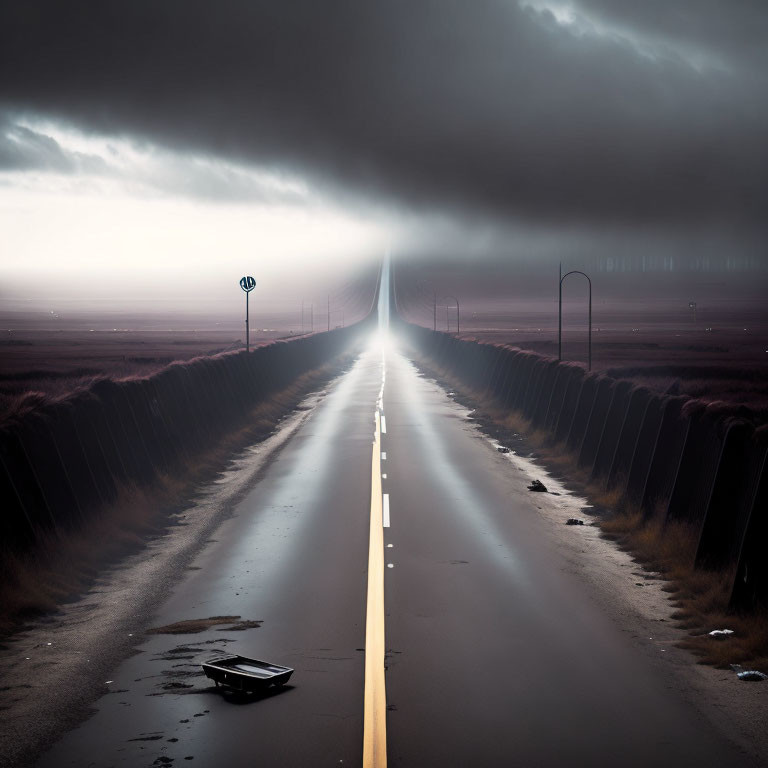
{"x": 560, "y": 317}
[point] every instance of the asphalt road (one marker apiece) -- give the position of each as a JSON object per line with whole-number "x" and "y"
{"x": 496, "y": 655}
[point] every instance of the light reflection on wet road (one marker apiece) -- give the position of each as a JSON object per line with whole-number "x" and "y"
{"x": 496, "y": 656}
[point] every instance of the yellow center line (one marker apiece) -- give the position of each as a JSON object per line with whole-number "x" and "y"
{"x": 375, "y": 699}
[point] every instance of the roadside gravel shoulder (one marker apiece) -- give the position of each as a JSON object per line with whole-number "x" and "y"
{"x": 635, "y": 599}
{"x": 53, "y": 670}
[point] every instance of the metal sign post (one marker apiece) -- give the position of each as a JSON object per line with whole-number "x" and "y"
{"x": 247, "y": 283}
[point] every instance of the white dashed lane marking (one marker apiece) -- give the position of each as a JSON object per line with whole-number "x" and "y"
{"x": 385, "y": 516}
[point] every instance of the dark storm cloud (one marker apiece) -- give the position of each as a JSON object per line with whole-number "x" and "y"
{"x": 22, "y": 149}
{"x": 473, "y": 106}
{"x": 731, "y": 33}
{"x": 157, "y": 172}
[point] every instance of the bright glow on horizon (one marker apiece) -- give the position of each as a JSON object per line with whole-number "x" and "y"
{"x": 383, "y": 337}
{"x": 112, "y": 218}
{"x": 46, "y": 233}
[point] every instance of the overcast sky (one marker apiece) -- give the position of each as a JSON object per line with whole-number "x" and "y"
{"x": 133, "y": 134}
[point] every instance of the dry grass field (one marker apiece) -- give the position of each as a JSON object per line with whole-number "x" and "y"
{"x": 54, "y": 355}
{"x": 643, "y": 328}
{"x": 58, "y": 345}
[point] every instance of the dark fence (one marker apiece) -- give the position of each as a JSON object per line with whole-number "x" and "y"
{"x": 674, "y": 458}
{"x": 750, "y": 589}
{"x": 62, "y": 461}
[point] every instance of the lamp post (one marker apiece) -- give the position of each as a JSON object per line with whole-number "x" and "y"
{"x": 560, "y": 316}
{"x": 247, "y": 283}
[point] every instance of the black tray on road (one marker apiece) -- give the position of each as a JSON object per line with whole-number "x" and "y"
{"x": 244, "y": 674}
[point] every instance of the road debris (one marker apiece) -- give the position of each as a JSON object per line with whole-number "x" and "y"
{"x": 721, "y": 634}
{"x": 245, "y": 674}
{"x": 748, "y": 675}
{"x": 538, "y": 486}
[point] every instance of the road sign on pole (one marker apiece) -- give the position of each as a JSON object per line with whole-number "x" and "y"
{"x": 247, "y": 283}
